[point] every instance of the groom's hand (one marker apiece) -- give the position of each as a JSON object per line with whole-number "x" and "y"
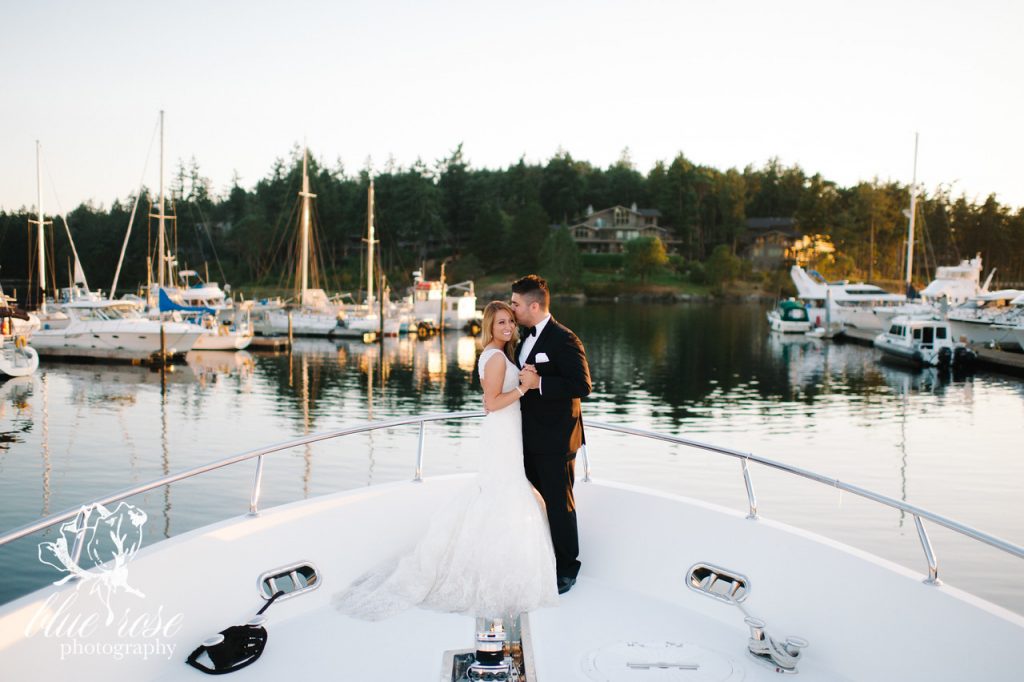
{"x": 528, "y": 377}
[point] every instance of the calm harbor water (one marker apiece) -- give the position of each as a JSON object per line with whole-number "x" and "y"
{"x": 710, "y": 372}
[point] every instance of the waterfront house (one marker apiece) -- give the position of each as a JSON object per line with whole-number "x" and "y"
{"x": 607, "y": 230}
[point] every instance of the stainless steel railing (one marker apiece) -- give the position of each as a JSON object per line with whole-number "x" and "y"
{"x": 421, "y": 420}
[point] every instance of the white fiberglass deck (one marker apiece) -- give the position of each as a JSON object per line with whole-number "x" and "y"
{"x": 864, "y": 618}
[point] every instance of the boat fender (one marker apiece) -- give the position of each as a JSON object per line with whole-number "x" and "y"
{"x": 21, "y": 341}
{"x": 235, "y": 647}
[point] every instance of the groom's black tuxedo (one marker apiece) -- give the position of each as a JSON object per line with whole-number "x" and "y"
{"x": 553, "y": 432}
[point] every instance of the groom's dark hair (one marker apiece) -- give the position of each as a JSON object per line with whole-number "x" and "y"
{"x": 533, "y": 288}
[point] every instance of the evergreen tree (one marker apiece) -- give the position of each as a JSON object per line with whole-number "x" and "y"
{"x": 560, "y": 261}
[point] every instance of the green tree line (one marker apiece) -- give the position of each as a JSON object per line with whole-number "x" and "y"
{"x": 500, "y": 219}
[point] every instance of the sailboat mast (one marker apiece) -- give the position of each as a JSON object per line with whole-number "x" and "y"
{"x": 369, "y": 250}
{"x": 40, "y": 238}
{"x": 304, "y": 230}
{"x": 910, "y": 227}
{"x": 160, "y": 213}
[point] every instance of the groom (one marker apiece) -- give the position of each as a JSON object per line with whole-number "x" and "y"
{"x": 554, "y": 374}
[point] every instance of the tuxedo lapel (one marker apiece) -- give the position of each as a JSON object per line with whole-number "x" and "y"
{"x": 539, "y": 344}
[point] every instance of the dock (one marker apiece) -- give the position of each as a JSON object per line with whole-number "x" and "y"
{"x": 270, "y": 343}
{"x": 999, "y": 360}
{"x": 989, "y": 358}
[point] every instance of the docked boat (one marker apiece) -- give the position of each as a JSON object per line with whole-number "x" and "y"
{"x": 17, "y": 357}
{"x": 953, "y": 285}
{"x": 923, "y": 342}
{"x": 377, "y": 314}
{"x": 225, "y": 326}
{"x": 113, "y": 330}
{"x": 440, "y": 305}
{"x": 852, "y": 304}
{"x": 1006, "y": 326}
{"x": 314, "y": 313}
{"x": 789, "y": 317}
{"x": 737, "y": 597}
{"x": 1018, "y": 333}
{"x": 986, "y": 318}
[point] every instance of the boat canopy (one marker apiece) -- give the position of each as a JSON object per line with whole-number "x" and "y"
{"x": 168, "y": 306}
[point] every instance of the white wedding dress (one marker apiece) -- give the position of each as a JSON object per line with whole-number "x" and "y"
{"x": 487, "y": 553}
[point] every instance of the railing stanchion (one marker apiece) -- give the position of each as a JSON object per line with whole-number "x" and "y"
{"x": 76, "y": 549}
{"x": 586, "y": 463}
{"x": 254, "y": 500}
{"x": 929, "y": 553}
{"x": 751, "y": 500}
{"x": 418, "y": 478}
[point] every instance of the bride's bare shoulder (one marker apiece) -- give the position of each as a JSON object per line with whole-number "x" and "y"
{"x": 490, "y": 359}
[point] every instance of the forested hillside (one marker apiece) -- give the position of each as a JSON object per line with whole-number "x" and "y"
{"x": 501, "y": 218}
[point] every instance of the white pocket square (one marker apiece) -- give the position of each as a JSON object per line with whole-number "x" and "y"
{"x": 540, "y": 357}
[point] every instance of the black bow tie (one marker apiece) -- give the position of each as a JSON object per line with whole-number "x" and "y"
{"x": 529, "y": 331}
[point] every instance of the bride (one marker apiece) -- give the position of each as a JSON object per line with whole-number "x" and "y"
{"x": 488, "y": 552}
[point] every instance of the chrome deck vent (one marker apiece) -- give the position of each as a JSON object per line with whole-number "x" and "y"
{"x": 718, "y": 583}
{"x": 293, "y": 580}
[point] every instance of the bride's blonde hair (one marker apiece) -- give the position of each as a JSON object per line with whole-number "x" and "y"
{"x": 486, "y": 333}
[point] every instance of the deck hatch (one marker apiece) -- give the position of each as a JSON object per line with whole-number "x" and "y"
{"x": 293, "y": 580}
{"x": 718, "y": 583}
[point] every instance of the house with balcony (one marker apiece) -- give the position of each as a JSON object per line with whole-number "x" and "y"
{"x": 607, "y": 230}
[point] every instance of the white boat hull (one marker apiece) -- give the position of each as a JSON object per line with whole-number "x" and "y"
{"x": 777, "y": 324}
{"x": 631, "y": 591}
{"x": 216, "y": 341}
{"x": 303, "y": 323}
{"x": 984, "y": 332}
{"x": 17, "y": 362}
{"x": 356, "y": 327}
{"x": 116, "y": 339}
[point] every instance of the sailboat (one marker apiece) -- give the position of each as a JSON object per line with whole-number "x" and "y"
{"x": 367, "y": 319}
{"x": 314, "y": 313}
{"x": 221, "y": 325}
{"x": 84, "y": 324}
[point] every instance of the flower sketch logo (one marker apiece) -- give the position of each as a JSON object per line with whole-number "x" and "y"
{"x": 95, "y": 548}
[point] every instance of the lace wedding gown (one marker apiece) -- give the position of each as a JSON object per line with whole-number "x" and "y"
{"x": 487, "y": 553}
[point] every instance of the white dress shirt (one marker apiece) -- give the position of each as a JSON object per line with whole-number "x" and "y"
{"x": 528, "y": 345}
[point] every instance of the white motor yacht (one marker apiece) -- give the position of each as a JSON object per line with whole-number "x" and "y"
{"x": 1005, "y": 326}
{"x": 116, "y": 330}
{"x": 988, "y": 318}
{"x": 1018, "y": 333}
{"x": 923, "y": 342}
{"x": 853, "y": 305}
{"x": 672, "y": 588}
{"x": 952, "y": 286}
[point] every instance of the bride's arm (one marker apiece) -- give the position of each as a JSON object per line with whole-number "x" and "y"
{"x": 493, "y": 380}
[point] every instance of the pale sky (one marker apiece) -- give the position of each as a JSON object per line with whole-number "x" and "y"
{"x": 836, "y": 87}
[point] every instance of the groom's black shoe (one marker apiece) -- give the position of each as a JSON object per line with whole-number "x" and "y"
{"x": 565, "y": 584}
